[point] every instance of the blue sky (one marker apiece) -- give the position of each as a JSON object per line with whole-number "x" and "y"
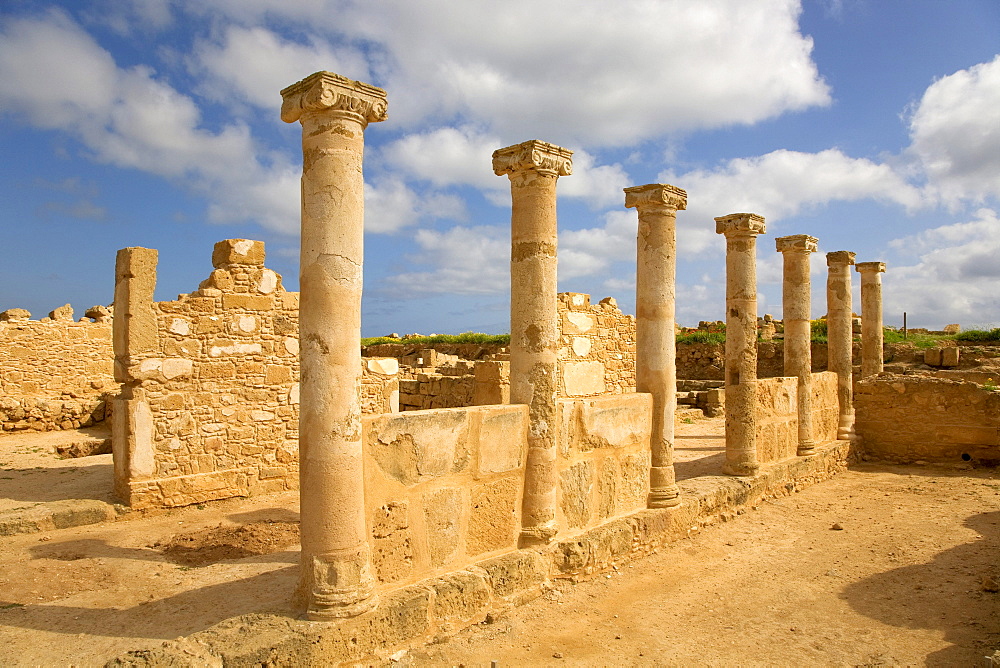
{"x": 873, "y": 125}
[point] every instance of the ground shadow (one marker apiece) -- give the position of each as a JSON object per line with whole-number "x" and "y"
{"x": 87, "y": 480}
{"x": 914, "y": 596}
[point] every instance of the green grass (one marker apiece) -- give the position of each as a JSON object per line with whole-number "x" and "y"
{"x": 702, "y": 337}
{"x": 915, "y": 339}
{"x": 466, "y": 337}
{"x": 979, "y": 335}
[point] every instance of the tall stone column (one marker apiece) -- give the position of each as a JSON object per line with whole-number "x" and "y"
{"x": 533, "y": 168}
{"x": 871, "y": 317}
{"x": 741, "y": 230}
{"x": 840, "y": 335}
{"x": 655, "y": 338}
{"x": 796, "y": 301}
{"x": 336, "y": 577}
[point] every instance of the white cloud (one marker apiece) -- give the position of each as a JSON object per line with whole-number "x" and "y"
{"x": 390, "y": 205}
{"x": 55, "y": 76}
{"x": 464, "y": 260}
{"x": 955, "y": 134}
{"x": 446, "y": 156}
{"x": 573, "y": 72}
{"x": 956, "y": 277}
{"x": 254, "y": 64}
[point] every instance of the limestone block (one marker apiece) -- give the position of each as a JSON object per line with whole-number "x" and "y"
{"x": 238, "y": 251}
{"x": 517, "y": 575}
{"x": 952, "y": 329}
{"x": 460, "y": 599}
{"x": 581, "y": 346}
{"x": 15, "y": 315}
{"x": 950, "y": 356}
{"x": 236, "y": 300}
{"x": 62, "y": 314}
{"x": 576, "y": 323}
{"x": 268, "y": 282}
{"x": 442, "y": 521}
{"x": 392, "y": 542}
{"x": 503, "y": 439}
{"x": 235, "y": 349}
{"x": 583, "y": 378}
{"x": 387, "y": 366}
{"x": 615, "y": 421}
{"x": 409, "y": 447}
{"x": 291, "y": 345}
{"x": 932, "y": 356}
{"x": 576, "y": 486}
{"x": 172, "y": 368}
{"x": 493, "y": 517}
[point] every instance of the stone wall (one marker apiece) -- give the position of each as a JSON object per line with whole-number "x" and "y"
{"x": 209, "y": 382}
{"x": 54, "y": 373}
{"x": 604, "y": 458}
{"x": 443, "y": 487}
{"x": 910, "y": 418}
{"x": 597, "y": 347}
{"x": 777, "y": 416}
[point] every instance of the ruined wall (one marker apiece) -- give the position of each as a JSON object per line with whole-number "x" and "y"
{"x": 596, "y": 347}
{"x": 443, "y": 487}
{"x": 777, "y": 414}
{"x": 54, "y": 373}
{"x": 209, "y": 398}
{"x": 919, "y": 418}
{"x": 604, "y": 458}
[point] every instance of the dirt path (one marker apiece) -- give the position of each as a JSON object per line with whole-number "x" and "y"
{"x": 903, "y": 582}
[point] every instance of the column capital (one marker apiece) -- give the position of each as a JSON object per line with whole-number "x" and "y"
{"x": 326, "y": 91}
{"x": 540, "y": 156}
{"x": 740, "y": 224}
{"x": 656, "y": 194}
{"x": 874, "y": 267}
{"x": 834, "y": 258}
{"x": 797, "y": 243}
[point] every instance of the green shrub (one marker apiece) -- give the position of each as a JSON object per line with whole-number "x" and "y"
{"x": 465, "y": 337}
{"x": 702, "y": 337}
{"x": 979, "y": 335}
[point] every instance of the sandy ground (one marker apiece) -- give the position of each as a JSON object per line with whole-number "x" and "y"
{"x": 906, "y": 579}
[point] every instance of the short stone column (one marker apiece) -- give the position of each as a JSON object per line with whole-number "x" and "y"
{"x": 741, "y": 230}
{"x": 796, "y": 306}
{"x": 336, "y": 577}
{"x": 839, "y": 335}
{"x": 871, "y": 317}
{"x": 533, "y": 168}
{"x": 655, "y": 338}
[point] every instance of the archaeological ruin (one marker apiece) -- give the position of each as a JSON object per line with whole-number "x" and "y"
{"x": 441, "y": 483}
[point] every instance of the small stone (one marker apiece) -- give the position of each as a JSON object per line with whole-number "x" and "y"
{"x": 990, "y": 584}
{"x": 556, "y": 655}
{"x": 836, "y": 527}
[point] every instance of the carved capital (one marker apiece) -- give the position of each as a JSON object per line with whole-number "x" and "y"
{"x": 835, "y": 258}
{"x": 740, "y": 224}
{"x": 874, "y": 267}
{"x": 797, "y": 243}
{"x": 326, "y": 91}
{"x": 656, "y": 194}
{"x": 539, "y": 156}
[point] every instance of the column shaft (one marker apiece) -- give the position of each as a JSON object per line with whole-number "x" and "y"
{"x": 533, "y": 168}
{"x": 840, "y": 337}
{"x": 335, "y": 579}
{"x": 796, "y": 306}
{"x": 741, "y": 230}
{"x": 871, "y": 317}
{"x": 656, "y": 340}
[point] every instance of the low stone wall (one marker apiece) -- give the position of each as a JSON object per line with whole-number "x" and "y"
{"x": 604, "y": 458}
{"x": 909, "y": 418}
{"x": 443, "y": 487}
{"x": 596, "y": 347}
{"x": 209, "y": 382}
{"x": 54, "y": 373}
{"x": 778, "y": 420}
{"x": 435, "y": 390}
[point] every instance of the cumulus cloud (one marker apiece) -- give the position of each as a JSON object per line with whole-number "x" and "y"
{"x": 956, "y": 136}
{"x": 390, "y": 206}
{"x": 55, "y": 76}
{"x": 463, "y": 260}
{"x": 956, "y": 276}
{"x": 570, "y": 72}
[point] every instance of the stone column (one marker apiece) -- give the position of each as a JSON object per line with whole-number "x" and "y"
{"x": 796, "y": 302}
{"x": 533, "y": 168}
{"x": 655, "y": 338}
{"x": 741, "y": 230}
{"x": 336, "y": 578}
{"x": 871, "y": 317}
{"x": 840, "y": 337}
{"x": 134, "y": 336}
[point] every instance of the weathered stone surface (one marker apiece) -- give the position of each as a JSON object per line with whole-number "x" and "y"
{"x": 503, "y": 435}
{"x": 493, "y": 518}
{"x": 392, "y": 542}
{"x": 581, "y": 379}
{"x": 460, "y": 599}
{"x": 410, "y": 447}
{"x": 443, "y": 511}
{"x": 577, "y": 484}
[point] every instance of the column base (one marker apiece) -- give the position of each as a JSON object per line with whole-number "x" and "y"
{"x": 342, "y": 586}
{"x": 669, "y": 497}
{"x": 741, "y": 469}
{"x": 806, "y": 448}
{"x": 540, "y": 535}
